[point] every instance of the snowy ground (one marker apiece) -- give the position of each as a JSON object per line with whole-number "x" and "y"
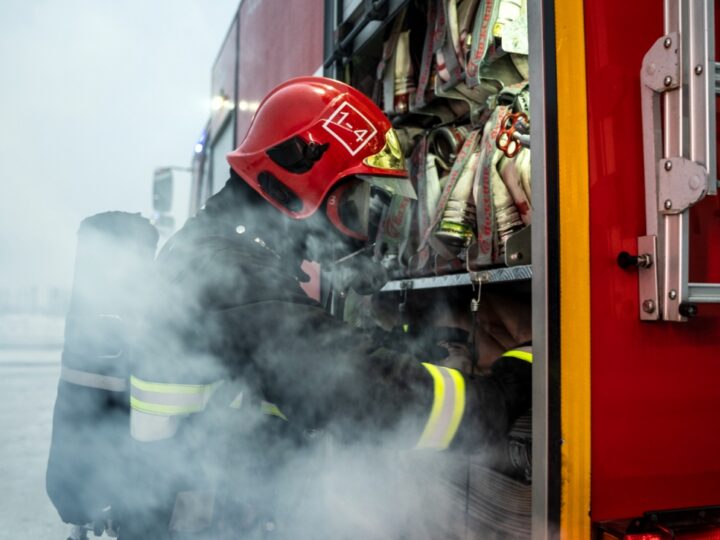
{"x": 29, "y": 368}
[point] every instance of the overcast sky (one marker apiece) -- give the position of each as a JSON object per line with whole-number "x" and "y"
{"x": 94, "y": 94}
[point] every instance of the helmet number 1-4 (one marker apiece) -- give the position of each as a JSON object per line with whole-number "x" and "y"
{"x": 350, "y": 127}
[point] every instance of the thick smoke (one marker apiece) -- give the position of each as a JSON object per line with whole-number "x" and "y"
{"x": 93, "y": 98}
{"x": 333, "y": 466}
{"x": 93, "y": 145}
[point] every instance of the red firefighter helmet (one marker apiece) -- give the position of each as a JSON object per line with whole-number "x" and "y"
{"x": 310, "y": 133}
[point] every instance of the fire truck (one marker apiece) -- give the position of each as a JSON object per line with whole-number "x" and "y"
{"x": 618, "y": 265}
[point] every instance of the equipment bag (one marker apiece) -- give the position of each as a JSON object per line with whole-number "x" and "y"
{"x": 86, "y": 466}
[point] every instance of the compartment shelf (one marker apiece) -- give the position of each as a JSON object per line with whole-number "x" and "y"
{"x": 491, "y": 275}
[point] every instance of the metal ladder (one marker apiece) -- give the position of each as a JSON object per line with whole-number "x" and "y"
{"x": 678, "y": 115}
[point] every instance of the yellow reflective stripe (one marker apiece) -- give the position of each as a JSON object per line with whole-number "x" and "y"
{"x": 272, "y": 410}
{"x": 237, "y": 402}
{"x": 168, "y": 388}
{"x": 439, "y": 396}
{"x": 166, "y": 410}
{"x": 169, "y": 399}
{"x": 521, "y": 355}
{"x": 459, "y": 408}
{"x": 447, "y": 408}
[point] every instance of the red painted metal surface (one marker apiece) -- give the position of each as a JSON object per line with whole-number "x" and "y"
{"x": 278, "y": 40}
{"x": 655, "y": 386}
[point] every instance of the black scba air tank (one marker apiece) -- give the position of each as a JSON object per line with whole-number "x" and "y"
{"x": 87, "y": 464}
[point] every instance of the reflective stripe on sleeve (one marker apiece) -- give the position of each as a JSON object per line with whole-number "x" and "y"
{"x": 169, "y": 399}
{"x": 169, "y": 388}
{"x": 92, "y": 380}
{"x": 266, "y": 407}
{"x": 447, "y": 408}
{"x": 237, "y": 402}
{"x": 272, "y": 410}
{"x": 155, "y": 408}
{"x": 521, "y": 353}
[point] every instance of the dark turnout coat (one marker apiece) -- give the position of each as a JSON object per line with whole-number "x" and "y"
{"x": 238, "y": 370}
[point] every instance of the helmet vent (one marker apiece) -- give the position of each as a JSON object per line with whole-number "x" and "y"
{"x": 296, "y": 155}
{"x": 279, "y": 192}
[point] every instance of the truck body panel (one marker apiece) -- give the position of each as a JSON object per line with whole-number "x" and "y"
{"x": 655, "y": 398}
{"x": 636, "y": 402}
{"x": 278, "y": 41}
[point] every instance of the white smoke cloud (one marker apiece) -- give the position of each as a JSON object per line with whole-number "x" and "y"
{"x": 98, "y": 94}
{"x": 95, "y": 95}
{"x": 337, "y": 468}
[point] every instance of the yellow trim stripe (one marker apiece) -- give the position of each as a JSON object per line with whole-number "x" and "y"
{"x": 168, "y": 388}
{"x": 574, "y": 268}
{"x": 520, "y": 355}
{"x": 272, "y": 410}
{"x": 447, "y": 408}
{"x": 438, "y": 398}
{"x": 459, "y": 407}
{"x": 164, "y": 410}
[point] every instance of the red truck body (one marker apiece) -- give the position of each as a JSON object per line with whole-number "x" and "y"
{"x": 652, "y": 397}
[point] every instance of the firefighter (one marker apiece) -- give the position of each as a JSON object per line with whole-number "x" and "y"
{"x": 232, "y": 330}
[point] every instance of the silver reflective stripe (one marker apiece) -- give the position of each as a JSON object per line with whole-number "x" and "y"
{"x": 156, "y": 408}
{"x": 447, "y": 409}
{"x": 186, "y": 401}
{"x": 148, "y": 427}
{"x": 169, "y": 399}
{"x": 92, "y": 380}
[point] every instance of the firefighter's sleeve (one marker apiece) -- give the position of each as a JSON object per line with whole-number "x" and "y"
{"x": 468, "y": 412}
{"x": 329, "y": 377}
{"x": 497, "y": 400}
{"x": 401, "y": 402}
{"x": 157, "y": 408}
{"x": 319, "y": 373}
